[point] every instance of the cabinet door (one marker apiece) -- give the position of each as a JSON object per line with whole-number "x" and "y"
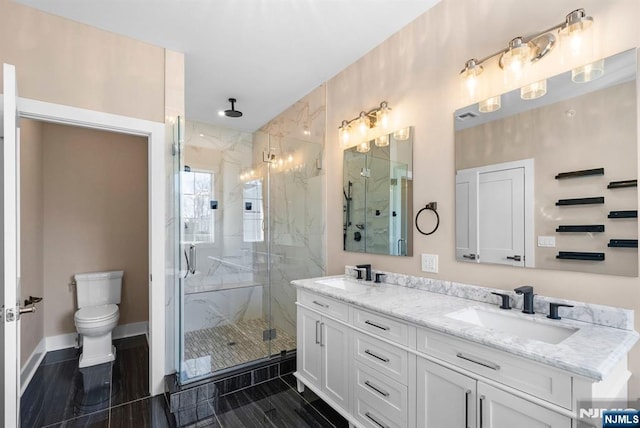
{"x": 466, "y": 216}
{"x": 334, "y": 342}
{"x": 499, "y": 409}
{"x": 445, "y": 398}
{"x": 309, "y": 352}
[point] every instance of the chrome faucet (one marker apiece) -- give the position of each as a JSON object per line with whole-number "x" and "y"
{"x": 527, "y": 293}
{"x": 367, "y": 268}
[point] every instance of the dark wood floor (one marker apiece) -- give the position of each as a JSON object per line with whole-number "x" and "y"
{"x": 116, "y": 395}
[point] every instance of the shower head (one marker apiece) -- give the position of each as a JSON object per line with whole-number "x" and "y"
{"x": 232, "y": 112}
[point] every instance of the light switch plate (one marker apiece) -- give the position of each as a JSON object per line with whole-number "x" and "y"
{"x": 430, "y": 263}
{"x": 547, "y": 241}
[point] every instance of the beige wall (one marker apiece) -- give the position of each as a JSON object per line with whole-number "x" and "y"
{"x": 95, "y": 219}
{"x": 602, "y": 133}
{"x": 64, "y": 62}
{"x": 417, "y": 72}
{"x": 32, "y": 233}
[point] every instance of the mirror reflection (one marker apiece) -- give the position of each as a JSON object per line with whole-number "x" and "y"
{"x": 377, "y": 195}
{"x": 551, "y": 182}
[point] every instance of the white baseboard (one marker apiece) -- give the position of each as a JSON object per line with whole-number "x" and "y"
{"x": 64, "y": 341}
{"x": 32, "y": 364}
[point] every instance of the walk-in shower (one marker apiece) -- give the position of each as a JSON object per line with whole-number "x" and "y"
{"x": 250, "y": 221}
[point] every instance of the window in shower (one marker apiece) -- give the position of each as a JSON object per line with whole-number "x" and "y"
{"x": 253, "y": 211}
{"x": 198, "y": 206}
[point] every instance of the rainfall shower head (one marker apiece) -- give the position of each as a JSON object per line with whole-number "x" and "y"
{"x": 232, "y": 112}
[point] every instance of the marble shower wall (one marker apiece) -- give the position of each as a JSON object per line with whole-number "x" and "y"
{"x": 297, "y": 196}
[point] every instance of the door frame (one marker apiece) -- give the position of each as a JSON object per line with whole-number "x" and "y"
{"x": 155, "y": 133}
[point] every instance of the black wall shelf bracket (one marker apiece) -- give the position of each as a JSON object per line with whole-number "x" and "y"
{"x": 582, "y": 173}
{"x": 581, "y": 228}
{"x": 621, "y": 184}
{"x": 623, "y": 243}
{"x": 574, "y": 255}
{"x": 581, "y": 201}
{"x": 623, "y": 214}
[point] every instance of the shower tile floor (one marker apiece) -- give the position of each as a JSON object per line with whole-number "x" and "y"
{"x": 231, "y": 344}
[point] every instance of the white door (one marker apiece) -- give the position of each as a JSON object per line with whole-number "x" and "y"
{"x": 334, "y": 341}
{"x": 445, "y": 398}
{"x": 501, "y": 216}
{"x": 466, "y": 216}
{"x": 310, "y": 355}
{"x": 498, "y": 409}
{"x": 10, "y": 231}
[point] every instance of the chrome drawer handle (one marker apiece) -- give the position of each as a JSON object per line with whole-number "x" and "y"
{"x": 483, "y": 363}
{"x": 386, "y": 360}
{"x": 381, "y": 327}
{"x": 320, "y": 304}
{"x": 377, "y": 422}
{"x": 376, "y": 389}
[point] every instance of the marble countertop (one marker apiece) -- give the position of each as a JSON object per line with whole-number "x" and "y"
{"x": 591, "y": 352}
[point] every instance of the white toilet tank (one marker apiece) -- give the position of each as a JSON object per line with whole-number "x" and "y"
{"x": 98, "y": 288}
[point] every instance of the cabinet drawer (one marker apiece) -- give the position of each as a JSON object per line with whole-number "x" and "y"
{"x": 380, "y": 325}
{"x": 325, "y": 305}
{"x": 535, "y": 379}
{"x": 381, "y": 356}
{"x": 387, "y": 396}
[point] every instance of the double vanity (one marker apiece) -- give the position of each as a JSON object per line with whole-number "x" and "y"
{"x": 416, "y": 352}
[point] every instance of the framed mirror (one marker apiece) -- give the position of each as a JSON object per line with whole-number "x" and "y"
{"x": 378, "y": 195}
{"x": 551, "y": 182}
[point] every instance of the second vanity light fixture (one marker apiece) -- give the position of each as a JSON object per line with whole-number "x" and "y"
{"x": 523, "y": 51}
{"x": 369, "y": 125}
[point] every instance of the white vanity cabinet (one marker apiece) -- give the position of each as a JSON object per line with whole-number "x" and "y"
{"x": 446, "y": 398}
{"x": 323, "y": 348}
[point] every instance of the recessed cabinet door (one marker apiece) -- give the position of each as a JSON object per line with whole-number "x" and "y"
{"x": 466, "y": 216}
{"x": 445, "y": 398}
{"x": 310, "y": 357}
{"x": 498, "y": 409}
{"x": 335, "y": 344}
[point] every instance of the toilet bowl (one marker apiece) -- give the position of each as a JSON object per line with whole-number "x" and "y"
{"x": 97, "y": 316}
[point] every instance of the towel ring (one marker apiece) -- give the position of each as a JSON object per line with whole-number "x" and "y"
{"x": 431, "y": 206}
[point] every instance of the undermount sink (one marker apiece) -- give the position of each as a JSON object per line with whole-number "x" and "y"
{"x": 514, "y": 325}
{"x": 341, "y": 283}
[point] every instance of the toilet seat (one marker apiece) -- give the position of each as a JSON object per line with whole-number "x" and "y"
{"x": 96, "y": 314}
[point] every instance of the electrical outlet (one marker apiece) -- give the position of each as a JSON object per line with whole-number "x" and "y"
{"x": 430, "y": 263}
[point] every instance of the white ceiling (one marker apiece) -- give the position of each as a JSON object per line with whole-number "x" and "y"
{"x": 266, "y": 53}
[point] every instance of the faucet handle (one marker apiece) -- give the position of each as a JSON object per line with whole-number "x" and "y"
{"x": 378, "y": 276}
{"x": 553, "y": 310}
{"x": 358, "y": 273}
{"x": 506, "y": 300}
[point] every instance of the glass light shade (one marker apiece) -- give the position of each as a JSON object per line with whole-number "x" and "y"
{"x": 576, "y": 35}
{"x": 515, "y": 61}
{"x": 402, "y": 134}
{"x": 469, "y": 77}
{"x": 382, "y": 116}
{"x": 588, "y": 72}
{"x": 362, "y": 125}
{"x": 490, "y": 104}
{"x": 534, "y": 90}
{"x": 363, "y": 147}
{"x": 345, "y": 134}
{"x": 382, "y": 141}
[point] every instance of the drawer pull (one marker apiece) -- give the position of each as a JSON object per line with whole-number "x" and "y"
{"x": 320, "y": 304}
{"x": 484, "y": 363}
{"x": 375, "y": 421}
{"x": 381, "y": 327}
{"x": 376, "y": 389}
{"x": 386, "y": 360}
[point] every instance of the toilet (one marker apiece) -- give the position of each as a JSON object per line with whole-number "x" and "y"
{"x": 98, "y": 295}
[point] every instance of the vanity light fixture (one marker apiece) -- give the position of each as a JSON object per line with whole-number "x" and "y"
{"x": 382, "y": 141}
{"x": 402, "y": 134}
{"x": 366, "y": 126}
{"x": 490, "y": 104}
{"x": 534, "y": 90}
{"x": 363, "y": 146}
{"x": 521, "y": 52}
